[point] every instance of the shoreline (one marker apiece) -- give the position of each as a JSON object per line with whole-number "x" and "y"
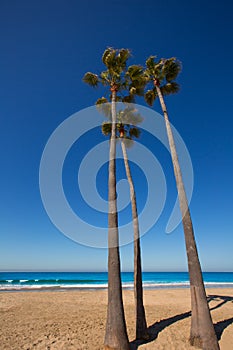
{"x": 74, "y": 320}
{"x": 35, "y": 288}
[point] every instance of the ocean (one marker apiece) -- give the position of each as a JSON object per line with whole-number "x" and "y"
{"x": 17, "y": 281}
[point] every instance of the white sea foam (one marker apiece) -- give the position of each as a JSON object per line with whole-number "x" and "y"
{"x": 220, "y": 283}
{"x": 52, "y": 286}
{"x": 125, "y": 285}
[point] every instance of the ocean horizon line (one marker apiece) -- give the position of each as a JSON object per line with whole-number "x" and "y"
{"x": 105, "y": 271}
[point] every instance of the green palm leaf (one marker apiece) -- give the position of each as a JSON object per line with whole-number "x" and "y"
{"x": 150, "y": 97}
{"x": 129, "y": 116}
{"x": 147, "y": 75}
{"x": 137, "y": 79}
{"x": 137, "y": 119}
{"x": 106, "y": 128}
{"x": 104, "y": 107}
{"x": 109, "y": 58}
{"x": 105, "y": 78}
{"x": 134, "y": 132}
{"x": 153, "y": 70}
{"x": 132, "y": 90}
{"x": 134, "y": 71}
{"x": 91, "y": 79}
{"x": 106, "y": 53}
{"x": 122, "y": 57}
{"x": 128, "y": 99}
{"x": 140, "y": 91}
{"x": 101, "y": 100}
{"x": 150, "y": 62}
{"x": 172, "y": 70}
{"x": 170, "y": 88}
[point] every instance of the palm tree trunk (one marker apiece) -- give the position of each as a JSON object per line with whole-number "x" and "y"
{"x": 141, "y": 326}
{"x": 116, "y": 334}
{"x": 202, "y": 330}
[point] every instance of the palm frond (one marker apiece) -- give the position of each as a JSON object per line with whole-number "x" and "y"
{"x": 105, "y": 77}
{"x": 106, "y": 128}
{"x": 101, "y": 100}
{"x": 116, "y": 61}
{"x": 172, "y": 69}
{"x": 150, "y": 62}
{"x": 170, "y": 88}
{"x": 138, "y": 83}
{"x": 124, "y": 54}
{"x": 129, "y": 116}
{"x": 122, "y": 57}
{"x": 110, "y": 60}
{"x": 154, "y": 69}
{"x": 137, "y": 79}
{"x": 134, "y": 132}
{"x": 91, "y": 79}
{"x": 106, "y": 55}
{"x": 137, "y": 119}
{"x": 104, "y": 107}
{"x": 147, "y": 75}
{"x": 134, "y": 71}
{"x": 121, "y": 116}
{"x": 163, "y": 69}
{"x": 150, "y": 97}
{"x": 128, "y": 99}
{"x": 128, "y": 142}
{"x": 140, "y": 91}
{"x": 132, "y": 90}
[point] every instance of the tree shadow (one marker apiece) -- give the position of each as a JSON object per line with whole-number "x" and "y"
{"x": 157, "y": 327}
{"x": 221, "y": 325}
{"x": 223, "y": 298}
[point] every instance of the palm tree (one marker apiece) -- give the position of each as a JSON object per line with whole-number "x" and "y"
{"x": 117, "y": 79}
{"x": 162, "y": 74}
{"x": 127, "y": 131}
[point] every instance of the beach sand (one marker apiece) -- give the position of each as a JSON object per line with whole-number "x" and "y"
{"x": 76, "y": 319}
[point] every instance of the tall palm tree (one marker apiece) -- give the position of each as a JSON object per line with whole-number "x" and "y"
{"x": 117, "y": 78}
{"x": 162, "y": 75}
{"x": 126, "y": 132}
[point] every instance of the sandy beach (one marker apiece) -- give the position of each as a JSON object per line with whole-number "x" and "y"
{"x": 76, "y": 319}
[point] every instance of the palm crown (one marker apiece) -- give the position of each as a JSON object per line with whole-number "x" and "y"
{"x": 162, "y": 74}
{"x": 118, "y": 76}
{"x": 126, "y": 124}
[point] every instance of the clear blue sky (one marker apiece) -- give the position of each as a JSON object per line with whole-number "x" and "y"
{"x": 45, "y": 49}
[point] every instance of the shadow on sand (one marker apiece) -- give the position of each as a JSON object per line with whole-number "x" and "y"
{"x": 221, "y": 325}
{"x": 157, "y": 327}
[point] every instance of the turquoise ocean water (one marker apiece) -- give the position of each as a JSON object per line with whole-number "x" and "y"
{"x": 94, "y": 280}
